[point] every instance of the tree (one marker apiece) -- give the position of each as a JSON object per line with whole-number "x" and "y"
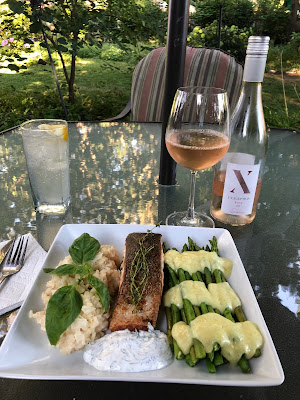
{"x": 66, "y": 24}
{"x": 294, "y": 7}
{"x": 63, "y": 23}
{"x": 69, "y": 24}
{"x": 136, "y": 21}
{"x": 272, "y": 19}
{"x": 235, "y": 12}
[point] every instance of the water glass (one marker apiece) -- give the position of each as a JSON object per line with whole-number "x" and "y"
{"x": 46, "y": 149}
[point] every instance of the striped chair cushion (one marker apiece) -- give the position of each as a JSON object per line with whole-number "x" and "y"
{"x": 203, "y": 67}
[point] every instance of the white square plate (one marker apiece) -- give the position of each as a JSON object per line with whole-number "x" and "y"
{"x": 26, "y": 353}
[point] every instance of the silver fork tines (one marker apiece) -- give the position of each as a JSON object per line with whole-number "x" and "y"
{"x": 15, "y": 258}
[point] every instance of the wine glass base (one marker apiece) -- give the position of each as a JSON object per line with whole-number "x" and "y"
{"x": 180, "y": 219}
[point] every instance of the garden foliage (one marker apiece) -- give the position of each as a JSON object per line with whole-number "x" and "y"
{"x": 69, "y": 25}
{"x": 235, "y": 12}
{"x": 240, "y": 19}
{"x": 112, "y": 36}
{"x": 233, "y": 39}
{"x": 272, "y": 19}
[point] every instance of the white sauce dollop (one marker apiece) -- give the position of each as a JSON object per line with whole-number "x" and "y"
{"x": 127, "y": 351}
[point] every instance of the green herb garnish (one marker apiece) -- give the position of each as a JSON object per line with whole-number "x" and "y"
{"x": 66, "y": 303}
{"x": 101, "y": 290}
{"x": 70, "y": 269}
{"x": 84, "y": 249}
{"x": 139, "y": 270}
{"x": 63, "y": 308}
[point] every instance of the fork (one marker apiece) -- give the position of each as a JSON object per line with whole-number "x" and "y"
{"x": 15, "y": 259}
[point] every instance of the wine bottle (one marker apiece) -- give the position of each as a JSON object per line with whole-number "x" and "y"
{"x": 238, "y": 176}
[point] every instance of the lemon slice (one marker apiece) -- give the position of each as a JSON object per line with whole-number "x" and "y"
{"x": 65, "y": 133}
{"x": 56, "y": 130}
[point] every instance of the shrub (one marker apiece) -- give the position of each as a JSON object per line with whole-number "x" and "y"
{"x": 207, "y": 11}
{"x": 235, "y": 12}
{"x": 234, "y": 40}
{"x": 30, "y": 104}
{"x": 295, "y": 40}
{"x": 89, "y": 51}
{"x": 267, "y": 17}
{"x": 112, "y": 52}
{"x": 108, "y": 52}
{"x": 239, "y": 13}
{"x": 272, "y": 19}
{"x": 133, "y": 21}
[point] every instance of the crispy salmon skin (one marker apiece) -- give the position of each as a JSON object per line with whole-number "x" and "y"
{"x": 141, "y": 283}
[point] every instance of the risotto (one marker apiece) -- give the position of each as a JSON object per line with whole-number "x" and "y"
{"x": 91, "y": 323}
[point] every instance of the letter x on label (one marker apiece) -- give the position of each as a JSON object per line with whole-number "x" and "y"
{"x": 241, "y": 180}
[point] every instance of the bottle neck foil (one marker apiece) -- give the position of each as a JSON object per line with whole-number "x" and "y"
{"x": 254, "y": 68}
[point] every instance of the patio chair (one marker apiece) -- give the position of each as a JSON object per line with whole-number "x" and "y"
{"x": 203, "y": 67}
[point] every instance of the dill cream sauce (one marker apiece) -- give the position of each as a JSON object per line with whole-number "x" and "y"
{"x": 193, "y": 261}
{"x": 218, "y": 295}
{"x": 126, "y": 351}
{"x": 235, "y": 339}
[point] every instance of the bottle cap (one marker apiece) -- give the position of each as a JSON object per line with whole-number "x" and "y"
{"x": 256, "y": 58}
{"x": 258, "y": 45}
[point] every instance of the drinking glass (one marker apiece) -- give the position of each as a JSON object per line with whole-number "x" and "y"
{"x": 197, "y": 137}
{"x": 46, "y": 149}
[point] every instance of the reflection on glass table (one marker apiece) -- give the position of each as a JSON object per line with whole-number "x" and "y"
{"x": 114, "y": 171}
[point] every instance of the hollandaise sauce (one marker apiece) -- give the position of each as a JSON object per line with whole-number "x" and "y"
{"x": 235, "y": 339}
{"x": 193, "y": 261}
{"x": 218, "y": 295}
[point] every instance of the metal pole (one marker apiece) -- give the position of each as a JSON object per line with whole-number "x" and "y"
{"x": 174, "y": 74}
{"x": 220, "y": 23}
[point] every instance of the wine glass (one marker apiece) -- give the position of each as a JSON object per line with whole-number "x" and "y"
{"x": 197, "y": 137}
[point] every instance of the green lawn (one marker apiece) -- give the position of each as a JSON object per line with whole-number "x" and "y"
{"x": 275, "y": 111}
{"x": 102, "y": 91}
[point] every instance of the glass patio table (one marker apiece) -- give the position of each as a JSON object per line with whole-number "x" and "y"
{"x": 114, "y": 180}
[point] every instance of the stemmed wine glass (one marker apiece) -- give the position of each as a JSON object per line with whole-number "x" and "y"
{"x": 197, "y": 137}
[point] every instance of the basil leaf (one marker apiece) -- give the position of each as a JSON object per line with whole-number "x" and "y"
{"x": 84, "y": 248}
{"x": 48, "y": 270}
{"x": 101, "y": 290}
{"x": 69, "y": 269}
{"x": 63, "y": 308}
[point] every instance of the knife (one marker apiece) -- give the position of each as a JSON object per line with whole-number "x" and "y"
{"x": 5, "y": 249}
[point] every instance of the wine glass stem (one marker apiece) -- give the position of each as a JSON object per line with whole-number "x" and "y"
{"x": 191, "y": 208}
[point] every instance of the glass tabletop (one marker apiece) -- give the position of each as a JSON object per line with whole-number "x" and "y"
{"x": 114, "y": 171}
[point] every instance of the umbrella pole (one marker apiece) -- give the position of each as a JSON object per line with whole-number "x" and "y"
{"x": 174, "y": 74}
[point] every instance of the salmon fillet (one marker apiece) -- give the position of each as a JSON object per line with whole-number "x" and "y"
{"x": 142, "y": 268}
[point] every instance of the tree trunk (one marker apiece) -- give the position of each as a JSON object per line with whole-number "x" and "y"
{"x": 64, "y": 66}
{"x": 295, "y": 21}
{"x": 60, "y": 56}
{"x": 72, "y": 79}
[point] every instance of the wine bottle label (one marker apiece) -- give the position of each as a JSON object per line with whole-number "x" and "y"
{"x": 239, "y": 188}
